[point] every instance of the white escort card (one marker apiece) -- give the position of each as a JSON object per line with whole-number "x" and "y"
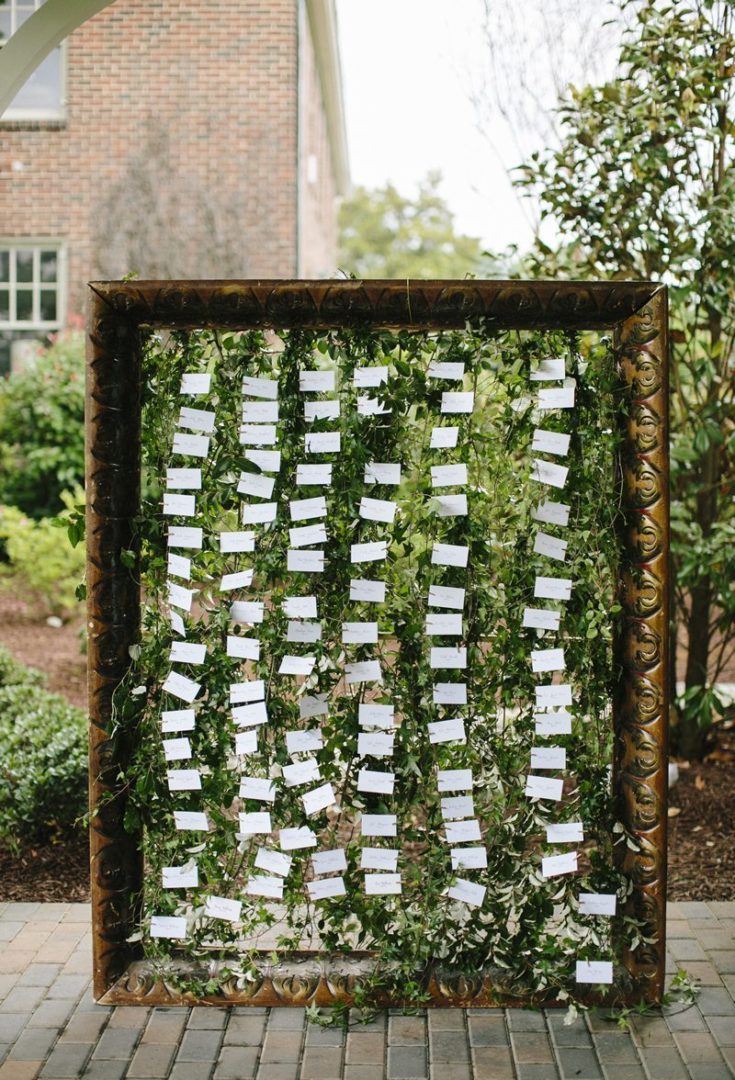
{"x": 449, "y": 657}
{"x": 554, "y": 696}
{"x": 443, "y": 438}
{"x": 190, "y": 445}
{"x": 467, "y": 892}
{"x": 243, "y": 579}
{"x": 180, "y": 877}
{"x": 438, "y": 369}
{"x": 180, "y": 597}
{"x": 220, "y": 907}
{"x": 186, "y": 652}
{"x": 597, "y": 903}
{"x": 382, "y": 472}
{"x": 445, "y": 596}
{"x": 367, "y": 591}
{"x": 319, "y": 799}
{"x": 363, "y": 671}
{"x": 168, "y": 926}
{"x": 454, "y": 401}
{"x": 176, "y": 749}
{"x": 329, "y": 862}
{"x": 184, "y": 780}
{"x": 190, "y": 821}
{"x": 177, "y": 623}
{"x": 321, "y": 410}
{"x": 256, "y": 484}
{"x": 236, "y": 542}
{"x": 313, "y": 475}
{"x": 297, "y": 838}
{"x": 457, "y": 832}
{"x": 449, "y": 693}
{"x": 275, "y": 862}
{"x": 548, "y": 757}
{"x": 179, "y": 686}
{"x": 254, "y": 824}
{"x": 552, "y": 513}
{"x": 177, "y": 720}
{"x": 454, "y": 780}
{"x": 179, "y": 505}
{"x": 303, "y": 509}
{"x": 370, "y": 376}
{"x": 370, "y": 714}
{"x": 302, "y": 742}
{"x": 550, "y": 442}
{"x": 375, "y": 743}
{"x": 250, "y": 715}
{"x": 179, "y": 566}
{"x": 196, "y": 419}
{"x": 359, "y": 633}
{"x": 541, "y": 619}
{"x": 550, "y": 546}
{"x": 326, "y": 889}
{"x": 561, "y": 398}
{"x": 246, "y": 742}
{"x": 377, "y": 510}
{"x": 265, "y": 885}
{"x": 458, "y": 806}
{"x": 305, "y": 632}
{"x": 322, "y": 442}
{"x": 307, "y": 534}
{"x": 383, "y": 884}
{"x": 313, "y": 706}
{"x": 553, "y": 723}
{"x": 370, "y": 406}
{"x": 259, "y": 412}
{"x": 449, "y": 625}
{"x": 194, "y": 382}
{"x": 243, "y": 648}
{"x": 379, "y": 825}
{"x": 546, "y": 472}
{"x": 551, "y": 588}
{"x": 316, "y": 381}
{"x": 252, "y": 690}
{"x": 443, "y": 731}
{"x": 258, "y": 788}
{"x": 549, "y": 369}
{"x": 258, "y": 513}
{"x": 249, "y": 612}
{"x": 469, "y": 858}
{"x": 449, "y": 554}
{"x": 184, "y": 479}
{"x": 301, "y": 772}
{"x": 566, "y": 832}
{"x": 266, "y": 460}
{"x": 297, "y": 665}
{"x": 308, "y": 562}
{"x": 544, "y": 787}
{"x": 299, "y": 607}
{"x": 375, "y": 858}
{"x": 598, "y": 972}
{"x": 258, "y": 435}
{"x": 547, "y": 660}
{"x": 379, "y": 782}
{"x": 185, "y": 536}
{"x": 253, "y": 386}
{"x": 449, "y": 505}
{"x": 448, "y": 475}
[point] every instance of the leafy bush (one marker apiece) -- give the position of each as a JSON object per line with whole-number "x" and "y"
{"x": 41, "y": 558}
{"x": 43, "y": 765}
{"x": 42, "y": 429}
{"x": 13, "y": 673}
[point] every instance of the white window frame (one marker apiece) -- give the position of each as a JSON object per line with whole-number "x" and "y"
{"x": 14, "y": 113}
{"x": 36, "y": 245}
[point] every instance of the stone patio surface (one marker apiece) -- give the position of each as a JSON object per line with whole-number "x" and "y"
{"x": 50, "y": 1028}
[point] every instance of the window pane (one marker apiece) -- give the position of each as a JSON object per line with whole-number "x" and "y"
{"x": 48, "y": 305}
{"x": 43, "y": 89}
{"x": 24, "y": 305}
{"x": 5, "y": 28}
{"x": 48, "y": 266}
{"x": 4, "y": 265}
{"x": 4, "y": 305}
{"x": 24, "y": 265}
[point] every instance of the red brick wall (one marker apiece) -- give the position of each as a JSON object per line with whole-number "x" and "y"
{"x": 179, "y": 153}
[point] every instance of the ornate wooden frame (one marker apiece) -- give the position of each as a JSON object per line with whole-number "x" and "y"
{"x": 637, "y": 314}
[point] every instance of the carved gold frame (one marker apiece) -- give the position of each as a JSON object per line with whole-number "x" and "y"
{"x": 637, "y": 314}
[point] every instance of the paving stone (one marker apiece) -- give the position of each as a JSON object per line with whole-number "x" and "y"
{"x": 39, "y": 975}
{"x": 88, "y": 1004}
{"x": 445, "y": 1046}
{"x": 109, "y": 1069}
{"x": 152, "y": 1060}
{"x": 20, "y": 1070}
{"x": 164, "y": 1027}
{"x": 574, "y": 1034}
{"x": 245, "y": 1031}
{"x": 51, "y": 1014}
{"x": 407, "y": 1030}
{"x": 526, "y": 1020}
{"x": 34, "y": 1044}
{"x": 67, "y": 1059}
{"x": 68, "y": 986}
{"x": 323, "y": 1036}
{"x": 7, "y": 982}
{"x": 663, "y": 1063}
{"x": 531, "y": 1047}
{"x": 447, "y": 1020}
{"x": 23, "y": 999}
{"x": 695, "y": 1046}
{"x": 487, "y": 1031}
{"x": 286, "y": 1020}
{"x": 129, "y": 1016}
{"x": 703, "y": 973}
{"x": 237, "y": 1063}
{"x": 724, "y": 960}
{"x": 281, "y": 1047}
{"x": 615, "y": 1048}
{"x": 722, "y": 909}
{"x": 364, "y": 1072}
{"x": 711, "y": 1071}
{"x": 361, "y": 1020}
{"x": 650, "y": 1031}
{"x": 116, "y": 1043}
{"x": 715, "y": 939}
{"x": 199, "y": 1046}
{"x": 84, "y": 1028}
{"x": 11, "y": 1026}
{"x": 22, "y": 911}
{"x": 715, "y": 1001}
{"x": 686, "y": 949}
{"x": 598, "y": 1020}
{"x": 406, "y": 1061}
{"x": 191, "y": 1070}
{"x": 204, "y": 1018}
{"x": 320, "y": 1062}
{"x": 578, "y": 1061}
{"x": 365, "y": 1048}
{"x": 624, "y": 1072}
{"x": 723, "y": 1029}
{"x": 537, "y": 1072}
{"x": 677, "y": 928}
{"x": 10, "y": 930}
{"x": 279, "y": 1072}
{"x": 688, "y": 1019}
{"x": 458, "y": 1070}
{"x": 694, "y": 909}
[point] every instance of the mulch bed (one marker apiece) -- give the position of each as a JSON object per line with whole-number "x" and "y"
{"x": 53, "y": 873}
{"x": 702, "y": 833}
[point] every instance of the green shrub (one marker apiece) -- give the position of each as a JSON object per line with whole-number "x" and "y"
{"x": 42, "y": 429}
{"x": 43, "y": 765}
{"x": 13, "y": 673}
{"x": 41, "y": 559}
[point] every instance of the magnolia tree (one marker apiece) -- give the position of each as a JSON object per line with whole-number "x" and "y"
{"x": 642, "y": 185}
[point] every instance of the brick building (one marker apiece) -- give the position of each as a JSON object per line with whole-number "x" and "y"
{"x": 172, "y": 138}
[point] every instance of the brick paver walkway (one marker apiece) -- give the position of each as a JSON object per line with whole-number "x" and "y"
{"x": 50, "y": 1028}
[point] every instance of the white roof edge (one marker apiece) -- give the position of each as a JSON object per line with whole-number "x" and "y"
{"x": 323, "y": 27}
